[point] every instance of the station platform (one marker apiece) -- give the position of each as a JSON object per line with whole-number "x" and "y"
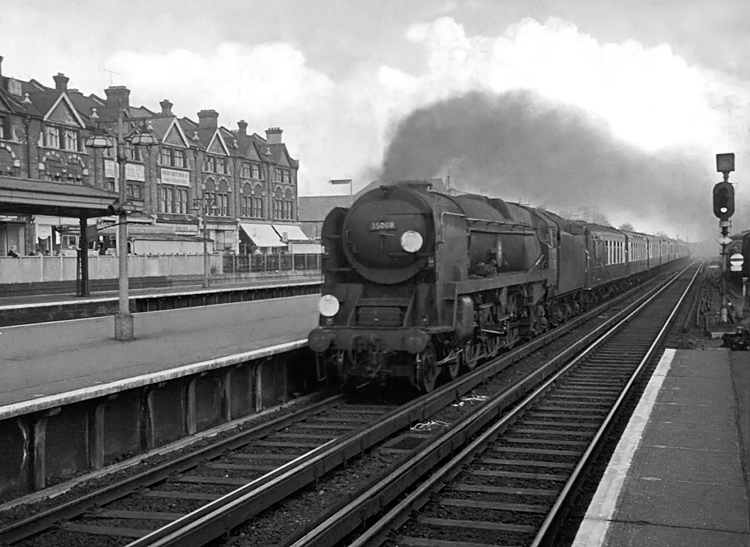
{"x": 679, "y": 475}
{"x": 10, "y": 299}
{"x": 52, "y": 364}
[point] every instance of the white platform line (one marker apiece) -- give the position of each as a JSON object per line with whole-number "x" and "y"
{"x": 595, "y": 525}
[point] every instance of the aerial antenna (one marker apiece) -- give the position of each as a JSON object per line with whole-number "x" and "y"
{"x": 111, "y": 73}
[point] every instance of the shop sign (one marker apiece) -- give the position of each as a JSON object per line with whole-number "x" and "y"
{"x": 172, "y": 176}
{"x": 133, "y": 171}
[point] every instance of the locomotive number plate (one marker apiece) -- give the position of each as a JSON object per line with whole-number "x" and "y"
{"x": 382, "y": 225}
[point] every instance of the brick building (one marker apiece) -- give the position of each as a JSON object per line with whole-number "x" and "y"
{"x": 244, "y": 183}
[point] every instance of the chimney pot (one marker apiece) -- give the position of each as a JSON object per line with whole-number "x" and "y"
{"x": 208, "y": 119}
{"x": 61, "y": 82}
{"x": 273, "y": 135}
{"x": 166, "y": 107}
{"x": 242, "y": 124}
{"x": 118, "y": 96}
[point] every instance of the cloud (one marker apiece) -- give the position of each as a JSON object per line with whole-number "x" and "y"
{"x": 646, "y": 99}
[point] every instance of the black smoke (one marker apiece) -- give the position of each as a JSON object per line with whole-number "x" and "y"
{"x": 521, "y": 147}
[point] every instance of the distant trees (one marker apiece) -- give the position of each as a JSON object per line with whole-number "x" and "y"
{"x": 626, "y": 226}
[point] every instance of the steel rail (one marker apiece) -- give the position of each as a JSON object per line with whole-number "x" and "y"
{"x": 559, "y": 509}
{"x": 218, "y": 517}
{"x": 34, "y": 524}
{"x": 378, "y": 496}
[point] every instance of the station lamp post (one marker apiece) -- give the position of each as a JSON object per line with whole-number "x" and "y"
{"x": 203, "y": 206}
{"x": 142, "y": 136}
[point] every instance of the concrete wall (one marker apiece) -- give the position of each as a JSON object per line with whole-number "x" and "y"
{"x": 30, "y": 269}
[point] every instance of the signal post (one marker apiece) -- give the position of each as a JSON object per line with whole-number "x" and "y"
{"x": 723, "y": 202}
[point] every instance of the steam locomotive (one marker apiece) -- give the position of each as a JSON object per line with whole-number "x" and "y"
{"x": 419, "y": 283}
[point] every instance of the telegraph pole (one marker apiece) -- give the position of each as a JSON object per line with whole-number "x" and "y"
{"x": 723, "y": 193}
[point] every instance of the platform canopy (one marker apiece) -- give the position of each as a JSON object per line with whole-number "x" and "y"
{"x": 37, "y": 197}
{"x": 263, "y": 235}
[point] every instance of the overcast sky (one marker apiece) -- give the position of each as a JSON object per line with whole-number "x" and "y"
{"x": 666, "y": 80}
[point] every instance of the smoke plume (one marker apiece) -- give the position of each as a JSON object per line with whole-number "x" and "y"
{"x": 519, "y": 146}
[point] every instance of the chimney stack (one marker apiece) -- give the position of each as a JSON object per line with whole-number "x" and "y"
{"x": 118, "y": 96}
{"x": 61, "y": 82}
{"x": 273, "y": 135}
{"x": 242, "y": 125}
{"x": 166, "y": 108}
{"x": 207, "y": 119}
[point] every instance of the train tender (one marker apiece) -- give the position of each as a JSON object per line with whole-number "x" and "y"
{"x": 418, "y": 282}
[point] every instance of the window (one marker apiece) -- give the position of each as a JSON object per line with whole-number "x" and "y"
{"x": 246, "y": 170}
{"x": 134, "y": 191}
{"x": 221, "y": 165}
{"x": 256, "y": 171}
{"x": 181, "y": 205}
{"x": 172, "y": 157}
{"x": 288, "y": 205}
{"x": 133, "y": 153}
{"x": 258, "y": 202}
{"x": 278, "y": 201}
{"x": 52, "y": 137}
{"x": 222, "y": 199}
{"x": 246, "y": 206}
{"x": 4, "y": 126}
{"x": 71, "y": 139}
{"x": 210, "y": 164}
{"x": 222, "y": 204}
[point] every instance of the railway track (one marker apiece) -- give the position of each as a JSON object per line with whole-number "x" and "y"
{"x": 515, "y": 473}
{"x": 204, "y": 495}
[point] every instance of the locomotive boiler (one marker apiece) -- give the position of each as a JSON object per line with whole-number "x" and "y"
{"x": 410, "y": 274}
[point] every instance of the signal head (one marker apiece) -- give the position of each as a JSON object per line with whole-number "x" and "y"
{"x": 723, "y": 200}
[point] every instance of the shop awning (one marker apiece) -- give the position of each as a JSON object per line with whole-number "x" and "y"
{"x": 293, "y": 233}
{"x": 263, "y": 235}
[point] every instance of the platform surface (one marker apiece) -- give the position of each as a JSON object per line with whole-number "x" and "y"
{"x": 47, "y": 359}
{"x": 676, "y": 477}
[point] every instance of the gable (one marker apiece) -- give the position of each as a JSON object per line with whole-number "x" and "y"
{"x": 64, "y": 113}
{"x": 217, "y": 146}
{"x": 175, "y": 136}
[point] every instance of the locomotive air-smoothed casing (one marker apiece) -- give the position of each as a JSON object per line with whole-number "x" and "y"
{"x": 519, "y": 244}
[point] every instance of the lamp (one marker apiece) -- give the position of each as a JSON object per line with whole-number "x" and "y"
{"x": 201, "y": 206}
{"x": 140, "y": 136}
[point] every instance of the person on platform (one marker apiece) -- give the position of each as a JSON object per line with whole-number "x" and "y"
{"x": 13, "y": 251}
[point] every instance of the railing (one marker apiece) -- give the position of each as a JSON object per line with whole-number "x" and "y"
{"x": 271, "y": 263}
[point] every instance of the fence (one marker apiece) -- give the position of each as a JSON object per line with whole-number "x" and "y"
{"x": 270, "y": 263}
{"x": 33, "y": 269}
